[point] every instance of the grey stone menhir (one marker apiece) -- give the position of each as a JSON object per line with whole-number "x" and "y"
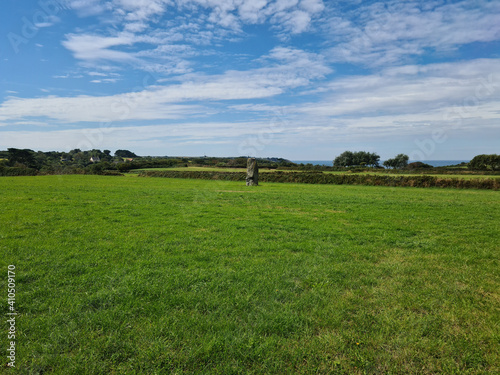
{"x": 252, "y": 172}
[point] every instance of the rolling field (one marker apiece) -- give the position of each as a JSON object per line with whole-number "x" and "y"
{"x": 128, "y": 275}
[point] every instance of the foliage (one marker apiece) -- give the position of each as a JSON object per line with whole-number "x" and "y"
{"x": 53, "y": 162}
{"x": 399, "y": 162}
{"x": 419, "y": 165}
{"x": 148, "y": 163}
{"x": 337, "y": 179}
{"x": 24, "y": 157}
{"x": 359, "y": 158}
{"x": 17, "y": 171}
{"x": 125, "y": 154}
{"x": 485, "y": 162}
{"x": 163, "y": 276}
{"x": 79, "y": 161}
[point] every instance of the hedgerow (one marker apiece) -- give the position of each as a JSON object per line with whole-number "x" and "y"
{"x": 17, "y": 171}
{"x": 336, "y": 179}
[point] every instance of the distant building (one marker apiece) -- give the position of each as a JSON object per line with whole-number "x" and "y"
{"x": 95, "y": 159}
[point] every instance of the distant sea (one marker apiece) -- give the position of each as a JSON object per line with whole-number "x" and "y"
{"x": 434, "y": 163}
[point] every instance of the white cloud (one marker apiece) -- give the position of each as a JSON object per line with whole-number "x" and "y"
{"x": 85, "y": 8}
{"x": 133, "y": 136}
{"x": 49, "y": 20}
{"x": 412, "y": 89}
{"x": 312, "y": 6}
{"x": 94, "y": 47}
{"x": 291, "y": 15}
{"x": 251, "y": 11}
{"x": 94, "y": 109}
{"x": 389, "y": 32}
{"x": 105, "y": 80}
{"x": 98, "y": 74}
{"x": 285, "y": 69}
{"x": 399, "y": 101}
{"x": 163, "y": 36}
{"x": 297, "y": 21}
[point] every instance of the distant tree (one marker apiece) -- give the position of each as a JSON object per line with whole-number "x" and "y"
{"x": 418, "y": 165}
{"x": 373, "y": 159}
{"x": 125, "y": 154}
{"x": 389, "y": 163}
{"x": 106, "y": 155}
{"x": 81, "y": 158}
{"x": 345, "y": 159}
{"x": 400, "y": 161}
{"x": 485, "y": 162}
{"x": 22, "y": 156}
{"x": 360, "y": 158}
{"x": 66, "y": 156}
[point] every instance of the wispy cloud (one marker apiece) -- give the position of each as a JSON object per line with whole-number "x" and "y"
{"x": 85, "y": 8}
{"x": 49, "y": 20}
{"x": 389, "y": 32}
{"x": 410, "y": 97}
{"x": 95, "y": 47}
{"x": 105, "y": 80}
{"x": 285, "y": 69}
{"x": 225, "y": 17}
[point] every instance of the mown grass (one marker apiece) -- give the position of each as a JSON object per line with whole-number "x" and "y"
{"x": 165, "y": 276}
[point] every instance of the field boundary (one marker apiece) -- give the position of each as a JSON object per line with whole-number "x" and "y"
{"x": 343, "y": 179}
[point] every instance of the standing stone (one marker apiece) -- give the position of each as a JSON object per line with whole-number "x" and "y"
{"x": 252, "y": 172}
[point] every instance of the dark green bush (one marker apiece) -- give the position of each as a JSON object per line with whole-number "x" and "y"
{"x": 336, "y": 179}
{"x": 17, "y": 171}
{"x": 485, "y": 162}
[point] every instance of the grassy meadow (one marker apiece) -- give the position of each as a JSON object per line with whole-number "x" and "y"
{"x": 128, "y": 275}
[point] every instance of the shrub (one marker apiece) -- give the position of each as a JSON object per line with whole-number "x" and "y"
{"x": 485, "y": 162}
{"x": 336, "y": 179}
{"x": 418, "y": 165}
{"x": 17, "y": 171}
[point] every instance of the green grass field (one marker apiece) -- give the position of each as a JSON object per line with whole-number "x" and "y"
{"x": 128, "y": 275}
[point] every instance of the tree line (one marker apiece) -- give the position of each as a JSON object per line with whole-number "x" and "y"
{"x": 16, "y": 161}
{"x": 485, "y": 162}
{"x": 367, "y": 159}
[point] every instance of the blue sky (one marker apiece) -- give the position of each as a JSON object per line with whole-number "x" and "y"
{"x": 300, "y": 79}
